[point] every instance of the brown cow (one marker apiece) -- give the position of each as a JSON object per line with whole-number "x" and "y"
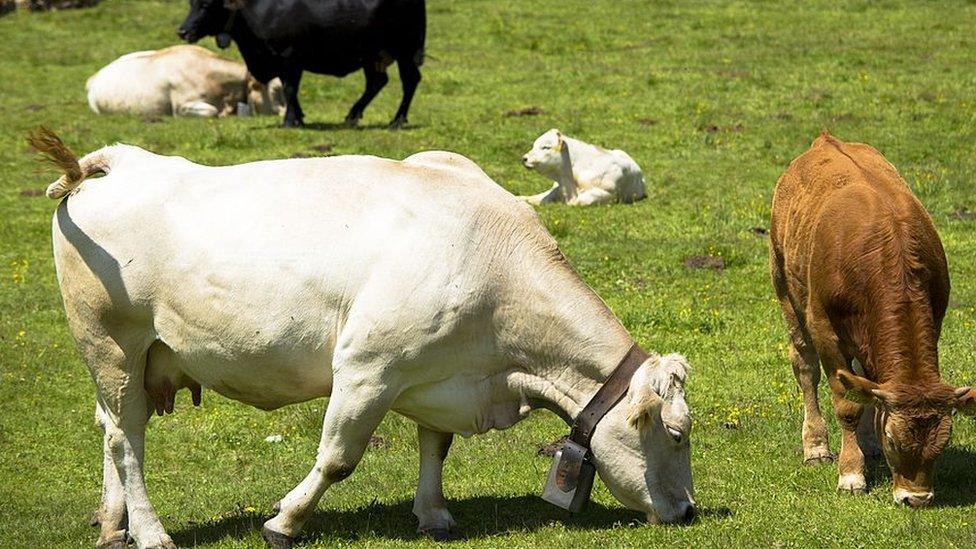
{"x": 861, "y": 277}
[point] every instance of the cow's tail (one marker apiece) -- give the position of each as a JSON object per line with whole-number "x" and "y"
{"x": 54, "y": 151}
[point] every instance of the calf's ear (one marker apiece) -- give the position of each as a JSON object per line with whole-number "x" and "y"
{"x": 965, "y": 401}
{"x": 860, "y": 389}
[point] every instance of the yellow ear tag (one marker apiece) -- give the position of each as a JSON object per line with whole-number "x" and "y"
{"x": 559, "y": 146}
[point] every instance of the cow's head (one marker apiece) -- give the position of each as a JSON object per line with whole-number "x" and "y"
{"x": 547, "y": 154}
{"x": 913, "y": 424}
{"x": 641, "y": 448}
{"x": 209, "y": 18}
{"x": 265, "y": 99}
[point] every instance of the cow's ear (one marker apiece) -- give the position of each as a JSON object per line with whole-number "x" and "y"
{"x": 965, "y": 401}
{"x": 859, "y": 389}
{"x": 558, "y": 147}
{"x": 644, "y": 402}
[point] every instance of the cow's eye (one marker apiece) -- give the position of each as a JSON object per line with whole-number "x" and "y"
{"x": 675, "y": 433}
{"x": 546, "y": 147}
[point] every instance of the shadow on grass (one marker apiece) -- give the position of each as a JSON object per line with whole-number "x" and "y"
{"x": 476, "y": 517}
{"x": 955, "y": 484}
{"x": 342, "y": 127}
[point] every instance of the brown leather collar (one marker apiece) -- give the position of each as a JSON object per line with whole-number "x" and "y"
{"x": 607, "y": 396}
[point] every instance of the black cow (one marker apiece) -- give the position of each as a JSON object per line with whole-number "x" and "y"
{"x": 283, "y": 38}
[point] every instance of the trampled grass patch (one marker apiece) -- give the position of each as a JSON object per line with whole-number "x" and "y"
{"x": 713, "y": 99}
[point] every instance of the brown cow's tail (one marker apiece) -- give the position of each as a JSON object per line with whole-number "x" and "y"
{"x": 53, "y": 150}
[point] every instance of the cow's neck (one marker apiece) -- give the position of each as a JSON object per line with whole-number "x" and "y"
{"x": 899, "y": 340}
{"x": 568, "y": 343}
{"x": 564, "y": 176}
{"x": 257, "y": 56}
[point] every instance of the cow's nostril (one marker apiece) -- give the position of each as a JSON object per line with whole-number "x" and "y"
{"x": 691, "y": 513}
{"x": 906, "y": 500}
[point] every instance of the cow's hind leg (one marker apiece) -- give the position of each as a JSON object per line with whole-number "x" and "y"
{"x": 355, "y": 410}
{"x": 806, "y": 369}
{"x": 376, "y": 79}
{"x": 409, "y": 78}
{"x": 122, "y": 396}
{"x": 429, "y": 505}
{"x": 111, "y": 514}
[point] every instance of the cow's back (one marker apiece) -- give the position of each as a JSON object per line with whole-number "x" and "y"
{"x": 151, "y": 82}
{"x": 843, "y": 219}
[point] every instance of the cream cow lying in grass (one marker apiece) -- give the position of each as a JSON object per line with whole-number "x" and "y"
{"x": 584, "y": 174}
{"x": 181, "y": 81}
{"x": 418, "y": 286}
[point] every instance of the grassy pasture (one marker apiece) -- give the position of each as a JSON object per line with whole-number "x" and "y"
{"x": 713, "y": 99}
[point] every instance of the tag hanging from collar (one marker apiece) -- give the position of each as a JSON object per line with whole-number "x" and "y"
{"x": 571, "y": 475}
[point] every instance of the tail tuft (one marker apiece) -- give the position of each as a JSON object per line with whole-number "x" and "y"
{"x": 54, "y": 151}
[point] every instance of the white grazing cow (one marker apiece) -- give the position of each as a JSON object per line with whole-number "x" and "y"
{"x": 584, "y": 174}
{"x": 418, "y": 286}
{"x": 181, "y": 81}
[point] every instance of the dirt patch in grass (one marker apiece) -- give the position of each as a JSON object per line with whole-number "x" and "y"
{"x": 550, "y": 449}
{"x": 647, "y": 121}
{"x": 963, "y": 213}
{"x": 527, "y": 111}
{"x": 714, "y": 128}
{"x": 54, "y": 5}
{"x": 705, "y": 262}
{"x": 322, "y": 148}
{"x": 31, "y": 193}
{"x": 377, "y": 442}
{"x": 759, "y": 231}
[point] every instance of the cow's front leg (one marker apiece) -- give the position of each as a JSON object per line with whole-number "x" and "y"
{"x": 376, "y": 79}
{"x": 850, "y": 462}
{"x": 429, "y": 505}
{"x": 409, "y": 78}
{"x": 294, "y": 117}
{"x": 355, "y": 410}
{"x": 111, "y": 514}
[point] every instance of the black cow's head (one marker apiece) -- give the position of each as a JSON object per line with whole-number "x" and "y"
{"x": 209, "y": 18}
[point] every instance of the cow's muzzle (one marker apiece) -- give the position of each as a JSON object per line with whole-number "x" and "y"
{"x": 914, "y": 500}
{"x": 187, "y": 35}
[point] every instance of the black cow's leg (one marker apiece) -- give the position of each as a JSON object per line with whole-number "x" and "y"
{"x": 376, "y": 79}
{"x": 294, "y": 117}
{"x": 409, "y": 77}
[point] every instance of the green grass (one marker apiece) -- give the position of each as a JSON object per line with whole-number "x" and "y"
{"x": 713, "y": 99}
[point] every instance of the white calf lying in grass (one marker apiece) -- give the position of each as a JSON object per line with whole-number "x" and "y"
{"x": 182, "y": 81}
{"x": 584, "y": 174}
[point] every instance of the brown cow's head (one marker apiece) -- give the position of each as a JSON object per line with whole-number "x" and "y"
{"x": 914, "y": 424}
{"x": 208, "y": 18}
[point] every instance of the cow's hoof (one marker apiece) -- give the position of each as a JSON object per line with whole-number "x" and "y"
{"x": 118, "y": 540}
{"x": 277, "y": 539}
{"x": 443, "y": 534}
{"x": 398, "y": 123}
{"x": 818, "y": 457}
{"x": 352, "y": 121}
{"x": 164, "y": 543}
{"x": 96, "y": 519}
{"x": 853, "y": 484}
{"x": 292, "y": 124}
{"x": 276, "y": 508}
